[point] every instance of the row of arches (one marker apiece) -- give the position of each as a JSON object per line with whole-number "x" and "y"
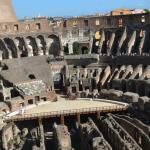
{"x": 29, "y": 46}
{"x": 122, "y": 42}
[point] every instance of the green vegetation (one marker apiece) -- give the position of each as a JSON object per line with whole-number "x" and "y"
{"x": 76, "y": 48}
{"x": 79, "y": 49}
{"x": 147, "y": 10}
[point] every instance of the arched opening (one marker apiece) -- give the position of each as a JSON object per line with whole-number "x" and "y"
{"x": 121, "y": 74}
{"x": 1, "y": 97}
{"x": 32, "y": 45}
{"x": 93, "y": 84}
{"x": 95, "y": 46}
{"x": 4, "y": 67}
{"x": 30, "y": 102}
{"x": 11, "y": 46}
{"x": 14, "y": 93}
{"x": 74, "y": 89}
{"x": 80, "y": 86}
{"x": 66, "y": 49}
{"x": 54, "y": 45}
{"x": 123, "y": 48}
{"x": 85, "y": 50}
{"x": 4, "y": 50}
{"x": 135, "y": 48}
{"x": 118, "y": 35}
{"x": 146, "y": 46}
{"x": 21, "y": 46}
{"x": 32, "y": 76}
{"x": 41, "y": 43}
{"x": 58, "y": 81}
{"x": 105, "y": 43}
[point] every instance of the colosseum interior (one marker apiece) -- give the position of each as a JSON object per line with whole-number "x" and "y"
{"x": 82, "y": 85}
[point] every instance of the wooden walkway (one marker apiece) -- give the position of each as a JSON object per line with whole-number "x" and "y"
{"x": 69, "y": 108}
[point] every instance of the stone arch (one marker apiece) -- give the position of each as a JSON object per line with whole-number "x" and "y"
{"x": 41, "y": 43}
{"x": 58, "y": 81}
{"x": 11, "y": 46}
{"x": 21, "y": 46}
{"x": 123, "y": 48}
{"x": 31, "y": 43}
{"x": 31, "y": 76}
{"x": 135, "y": 49}
{"x": 66, "y": 49}
{"x": 4, "y": 50}
{"x": 53, "y": 45}
{"x": 116, "y": 42}
{"x": 105, "y": 43}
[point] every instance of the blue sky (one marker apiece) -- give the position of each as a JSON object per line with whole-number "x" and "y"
{"x": 32, "y": 8}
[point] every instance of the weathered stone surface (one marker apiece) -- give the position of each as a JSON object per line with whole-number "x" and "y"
{"x": 7, "y": 12}
{"x": 130, "y": 97}
{"x": 142, "y": 101}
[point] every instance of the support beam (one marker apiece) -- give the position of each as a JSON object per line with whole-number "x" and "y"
{"x": 42, "y": 140}
{"x": 62, "y": 119}
{"x": 98, "y": 115}
{"x": 78, "y": 120}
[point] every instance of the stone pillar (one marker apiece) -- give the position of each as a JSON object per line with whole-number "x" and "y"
{"x": 46, "y": 48}
{"x": 39, "y": 46}
{"x": 9, "y": 54}
{"x": 80, "y": 33}
{"x": 91, "y": 40}
{"x": 70, "y": 46}
{"x": 1, "y": 55}
{"x": 69, "y": 34}
{"x": 90, "y": 45}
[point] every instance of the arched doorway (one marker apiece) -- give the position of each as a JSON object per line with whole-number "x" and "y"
{"x": 11, "y": 46}
{"x": 32, "y": 45}
{"x": 53, "y": 45}
{"x": 58, "y": 82}
{"x": 4, "y": 50}
{"x": 66, "y": 49}
{"x": 41, "y": 43}
{"x": 21, "y": 46}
